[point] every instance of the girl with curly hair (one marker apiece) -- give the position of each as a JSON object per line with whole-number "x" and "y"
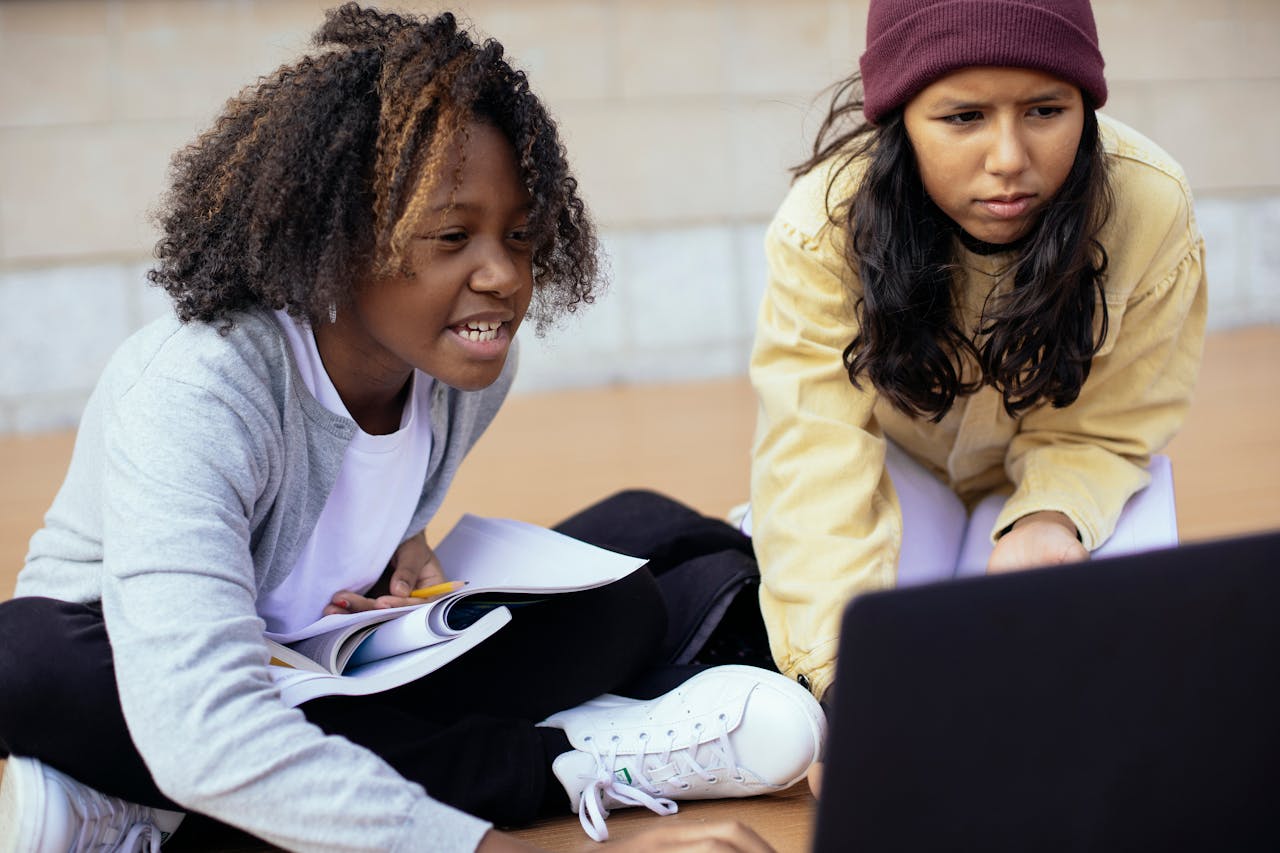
{"x": 983, "y": 273}
{"x": 351, "y": 249}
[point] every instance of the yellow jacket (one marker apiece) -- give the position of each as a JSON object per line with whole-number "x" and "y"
{"x": 826, "y": 521}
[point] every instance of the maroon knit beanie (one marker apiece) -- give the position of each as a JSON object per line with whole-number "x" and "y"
{"x": 911, "y": 43}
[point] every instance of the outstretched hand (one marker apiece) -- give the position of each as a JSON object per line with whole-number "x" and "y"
{"x": 1038, "y": 539}
{"x": 413, "y": 566}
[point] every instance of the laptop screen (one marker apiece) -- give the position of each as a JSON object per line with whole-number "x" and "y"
{"x": 1129, "y": 703}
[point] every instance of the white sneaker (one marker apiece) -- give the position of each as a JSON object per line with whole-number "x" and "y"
{"x": 44, "y": 811}
{"x": 730, "y": 731}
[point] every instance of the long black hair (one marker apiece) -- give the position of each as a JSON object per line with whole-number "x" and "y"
{"x": 1034, "y": 343}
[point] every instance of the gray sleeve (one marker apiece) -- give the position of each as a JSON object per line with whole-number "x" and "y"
{"x": 184, "y": 471}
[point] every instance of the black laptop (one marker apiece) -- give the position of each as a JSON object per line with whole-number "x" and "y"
{"x": 1122, "y": 704}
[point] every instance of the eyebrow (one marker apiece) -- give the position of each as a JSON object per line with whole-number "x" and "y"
{"x": 471, "y": 207}
{"x": 1058, "y": 93}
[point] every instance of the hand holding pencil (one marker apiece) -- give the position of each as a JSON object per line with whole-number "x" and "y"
{"x": 431, "y": 593}
{"x": 412, "y": 576}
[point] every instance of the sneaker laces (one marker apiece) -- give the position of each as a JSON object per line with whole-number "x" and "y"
{"x": 640, "y": 789}
{"x": 112, "y": 825}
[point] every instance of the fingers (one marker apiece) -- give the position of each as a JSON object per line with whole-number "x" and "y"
{"x": 1075, "y": 553}
{"x": 432, "y": 571}
{"x": 402, "y": 580}
{"x": 722, "y": 836}
{"x": 348, "y": 602}
{"x": 1061, "y": 547}
{"x": 414, "y": 566}
{"x": 1040, "y": 539}
{"x": 815, "y": 778}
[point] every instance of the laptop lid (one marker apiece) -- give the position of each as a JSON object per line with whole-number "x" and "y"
{"x": 1122, "y": 704}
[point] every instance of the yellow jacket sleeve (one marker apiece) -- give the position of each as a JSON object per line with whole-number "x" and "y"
{"x": 1085, "y": 460}
{"x": 825, "y": 521}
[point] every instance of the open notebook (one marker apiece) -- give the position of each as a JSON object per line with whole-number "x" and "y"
{"x": 941, "y": 540}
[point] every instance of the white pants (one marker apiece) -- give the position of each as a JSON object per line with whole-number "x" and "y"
{"x": 940, "y": 542}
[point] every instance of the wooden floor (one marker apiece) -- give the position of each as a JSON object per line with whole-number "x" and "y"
{"x": 549, "y": 455}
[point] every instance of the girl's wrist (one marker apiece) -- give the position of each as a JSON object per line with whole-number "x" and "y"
{"x": 1049, "y": 516}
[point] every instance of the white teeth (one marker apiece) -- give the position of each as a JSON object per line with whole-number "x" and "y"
{"x": 479, "y": 331}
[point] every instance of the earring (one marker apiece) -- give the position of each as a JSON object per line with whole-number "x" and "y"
{"x": 333, "y": 312}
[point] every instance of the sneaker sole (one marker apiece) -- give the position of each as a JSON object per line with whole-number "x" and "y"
{"x": 21, "y": 796}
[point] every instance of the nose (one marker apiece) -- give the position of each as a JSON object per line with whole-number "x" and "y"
{"x": 496, "y": 272}
{"x": 1007, "y": 154}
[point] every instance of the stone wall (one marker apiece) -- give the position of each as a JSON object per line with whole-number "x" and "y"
{"x": 681, "y": 117}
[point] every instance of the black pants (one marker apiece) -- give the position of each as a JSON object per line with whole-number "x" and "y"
{"x": 466, "y": 733}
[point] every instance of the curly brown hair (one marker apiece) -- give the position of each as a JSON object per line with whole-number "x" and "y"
{"x": 313, "y": 178}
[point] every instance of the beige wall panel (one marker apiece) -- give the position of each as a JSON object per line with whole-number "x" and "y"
{"x": 567, "y": 47}
{"x": 66, "y": 324}
{"x": 184, "y": 59}
{"x": 1189, "y": 39}
{"x": 848, "y": 37}
{"x": 672, "y": 47}
{"x": 651, "y": 164}
{"x": 768, "y": 138}
{"x": 274, "y": 32}
{"x": 286, "y": 17}
{"x": 792, "y": 47}
{"x": 681, "y": 118}
{"x": 53, "y": 63}
{"x": 76, "y": 191}
{"x": 1260, "y": 39}
{"x": 1131, "y": 104}
{"x": 1225, "y": 134}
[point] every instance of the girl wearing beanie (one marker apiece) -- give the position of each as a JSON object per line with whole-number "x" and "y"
{"x": 985, "y": 274}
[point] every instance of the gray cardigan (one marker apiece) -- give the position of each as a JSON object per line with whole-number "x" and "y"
{"x": 200, "y": 468}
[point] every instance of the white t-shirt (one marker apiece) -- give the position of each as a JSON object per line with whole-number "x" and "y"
{"x": 365, "y": 516}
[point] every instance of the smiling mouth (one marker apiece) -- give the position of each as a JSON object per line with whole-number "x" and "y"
{"x": 478, "y": 331}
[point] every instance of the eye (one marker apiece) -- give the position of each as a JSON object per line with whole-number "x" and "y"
{"x": 966, "y": 117}
{"x": 520, "y": 235}
{"x": 452, "y": 237}
{"x": 1046, "y": 112}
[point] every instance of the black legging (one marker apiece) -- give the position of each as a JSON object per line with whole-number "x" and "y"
{"x": 466, "y": 733}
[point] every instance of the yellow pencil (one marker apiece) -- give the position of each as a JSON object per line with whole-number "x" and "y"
{"x": 437, "y": 590}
